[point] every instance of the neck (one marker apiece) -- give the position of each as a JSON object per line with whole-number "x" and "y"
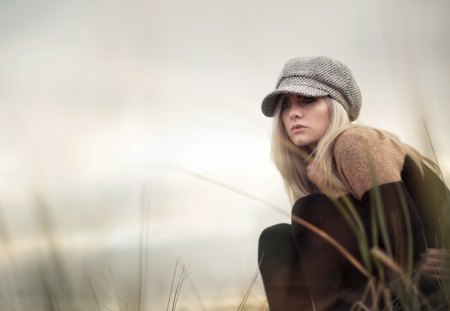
{"x": 312, "y": 148}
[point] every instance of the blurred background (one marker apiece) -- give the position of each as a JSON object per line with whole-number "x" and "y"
{"x": 132, "y": 140}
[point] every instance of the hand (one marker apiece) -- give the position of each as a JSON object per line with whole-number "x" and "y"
{"x": 435, "y": 264}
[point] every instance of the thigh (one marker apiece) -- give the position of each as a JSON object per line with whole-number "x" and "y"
{"x": 333, "y": 281}
{"x": 281, "y": 270}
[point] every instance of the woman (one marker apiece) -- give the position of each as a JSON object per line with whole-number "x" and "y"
{"x": 362, "y": 187}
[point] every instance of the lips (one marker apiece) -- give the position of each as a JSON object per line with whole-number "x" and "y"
{"x": 297, "y": 127}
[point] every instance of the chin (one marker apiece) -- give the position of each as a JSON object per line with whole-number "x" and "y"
{"x": 303, "y": 140}
{"x": 301, "y": 143}
{"x": 304, "y": 143}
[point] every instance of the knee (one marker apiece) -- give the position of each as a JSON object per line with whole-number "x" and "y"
{"x": 273, "y": 239}
{"x": 310, "y": 206}
{"x": 314, "y": 209}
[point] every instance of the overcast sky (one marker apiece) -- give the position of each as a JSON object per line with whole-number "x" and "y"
{"x": 109, "y": 106}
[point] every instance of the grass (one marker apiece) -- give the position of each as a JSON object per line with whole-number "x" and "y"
{"x": 53, "y": 286}
{"x": 58, "y": 290}
{"x": 399, "y": 291}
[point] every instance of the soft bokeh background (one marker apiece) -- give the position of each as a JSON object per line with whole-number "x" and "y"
{"x": 131, "y": 134}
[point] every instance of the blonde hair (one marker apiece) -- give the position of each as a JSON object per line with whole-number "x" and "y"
{"x": 292, "y": 161}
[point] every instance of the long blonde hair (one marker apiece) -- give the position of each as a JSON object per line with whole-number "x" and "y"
{"x": 292, "y": 160}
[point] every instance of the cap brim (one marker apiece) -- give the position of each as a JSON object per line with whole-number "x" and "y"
{"x": 269, "y": 102}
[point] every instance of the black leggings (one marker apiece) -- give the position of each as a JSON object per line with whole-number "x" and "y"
{"x": 298, "y": 267}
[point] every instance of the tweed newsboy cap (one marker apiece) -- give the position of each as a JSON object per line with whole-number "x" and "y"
{"x": 316, "y": 77}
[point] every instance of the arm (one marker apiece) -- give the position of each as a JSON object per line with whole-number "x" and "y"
{"x": 370, "y": 165}
{"x": 433, "y": 200}
{"x": 435, "y": 263}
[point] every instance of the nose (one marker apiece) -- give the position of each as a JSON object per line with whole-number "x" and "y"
{"x": 296, "y": 111}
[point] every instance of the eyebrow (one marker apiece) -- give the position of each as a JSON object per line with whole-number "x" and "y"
{"x": 298, "y": 96}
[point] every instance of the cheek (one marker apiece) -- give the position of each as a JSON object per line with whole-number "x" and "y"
{"x": 284, "y": 121}
{"x": 322, "y": 118}
{"x": 325, "y": 122}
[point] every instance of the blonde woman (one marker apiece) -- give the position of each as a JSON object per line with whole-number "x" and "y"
{"x": 363, "y": 187}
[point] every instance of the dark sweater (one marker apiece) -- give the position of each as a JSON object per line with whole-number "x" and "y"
{"x": 366, "y": 160}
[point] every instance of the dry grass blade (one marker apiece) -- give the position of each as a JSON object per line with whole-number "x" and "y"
{"x": 196, "y": 294}
{"x": 381, "y": 218}
{"x": 409, "y": 232}
{"x": 171, "y": 285}
{"x": 223, "y": 185}
{"x": 359, "y": 306}
{"x": 432, "y": 149}
{"x": 364, "y": 296}
{"x": 414, "y": 292}
{"x": 143, "y": 253}
{"x": 388, "y": 261}
{"x": 349, "y": 213}
{"x": 374, "y": 295}
{"x": 249, "y": 289}
{"x": 183, "y": 276}
{"x": 387, "y": 295}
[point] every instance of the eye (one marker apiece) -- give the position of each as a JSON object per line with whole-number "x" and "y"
{"x": 285, "y": 103}
{"x": 308, "y": 100}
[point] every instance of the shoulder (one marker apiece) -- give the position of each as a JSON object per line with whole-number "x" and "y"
{"x": 364, "y": 156}
{"x": 366, "y": 142}
{"x": 357, "y": 138}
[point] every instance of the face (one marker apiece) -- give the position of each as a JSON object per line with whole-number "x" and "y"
{"x": 305, "y": 119}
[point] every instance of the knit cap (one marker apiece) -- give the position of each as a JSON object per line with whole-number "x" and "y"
{"x": 316, "y": 77}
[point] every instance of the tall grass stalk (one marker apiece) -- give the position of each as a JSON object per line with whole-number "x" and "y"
{"x": 249, "y": 289}
{"x": 183, "y": 276}
{"x": 367, "y": 290}
{"x": 143, "y": 249}
{"x": 197, "y": 295}
{"x": 172, "y": 284}
{"x": 415, "y": 298}
{"x": 176, "y": 289}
